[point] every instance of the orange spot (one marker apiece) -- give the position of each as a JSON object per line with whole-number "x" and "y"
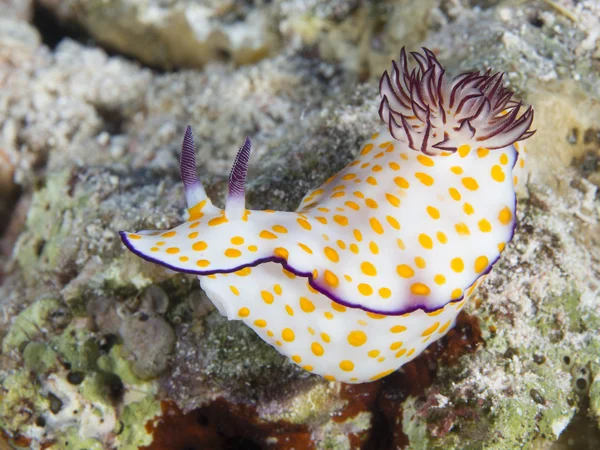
{"x": 456, "y": 170}
{"x": 393, "y": 222}
{"x": 217, "y": 221}
{"x": 482, "y": 152}
{"x": 237, "y": 240}
{"x": 338, "y": 307}
{"x": 184, "y": 259}
{"x": 398, "y": 329}
{"x": 393, "y": 200}
{"x": 375, "y": 225}
{"x": 425, "y": 160}
{"x": 172, "y": 250}
{"x": 288, "y": 335}
{"x": 424, "y": 178}
{"x": 341, "y": 220}
{"x": 366, "y": 149}
{"x": 202, "y": 263}
{"x": 484, "y": 226}
{"x": 439, "y": 279}
{"x": 434, "y": 213}
{"x": 347, "y": 366}
{"x": 373, "y": 247}
{"x": 420, "y": 262}
{"x": 381, "y": 375}
{"x": 306, "y": 305}
{"x": 260, "y": 323}
{"x": 456, "y": 293}
{"x": 267, "y": 235}
{"x": 317, "y": 349}
{"x": 365, "y": 289}
{"x": 462, "y": 229}
{"x": 199, "y": 246}
{"x": 306, "y": 248}
{"x": 193, "y": 235}
{"x": 357, "y": 235}
{"x": 454, "y": 194}
{"x": 401, "y": 182}
{"x": 169, "y": 234}
{"x": 420, "y": 289}
{"x": 431, "y": 329}
{"x": 396, "y": 345}
{"x": 323, "y": 220}
{"x": 497, "y": 173}
{"x": 281, "y": 252}
{"x": 464, "y": 150}
{"x": 196, "y": 211}
{"x": 375, "y": 315}
{"x": 385, "y": 293}
{"x": 331, "y": 254}
{"x": 405, "y": 271}
{"x": 505, "y": 216}
{"x": 481, "y": 263}
{"x": 304, "y": 224}
{"x": 400, "y": 244}
{"x": 134, "y": 236}
{"x": 243, "y": 272}
{"x": 352, "y": 205}
{"x": 470, "y": 183}
{"x": 425, "y": 241}
{"x": 279, "y": 229}
{"x": 457, "y": 265}
{"x": 233, "y": 253}
{"x": 468, "y": 209}
{"x": 331, "y": 279}
{"x": 371, "y": 203}
{"x": 441, "y": 237}
{"x": 368, "y": 269}
{"x": 244, "y": 312}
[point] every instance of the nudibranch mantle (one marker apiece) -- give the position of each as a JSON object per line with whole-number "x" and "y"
{"x": 377, "y": 262}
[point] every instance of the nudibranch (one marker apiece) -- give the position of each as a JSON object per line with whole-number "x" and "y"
{"x": 376, "y": 263}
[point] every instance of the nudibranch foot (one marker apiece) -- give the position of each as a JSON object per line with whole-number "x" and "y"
{"x": 376, "y": 263}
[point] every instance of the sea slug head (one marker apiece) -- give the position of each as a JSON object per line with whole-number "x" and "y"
{"x": 212, "y": 240}
{"x": 433, "y": 114}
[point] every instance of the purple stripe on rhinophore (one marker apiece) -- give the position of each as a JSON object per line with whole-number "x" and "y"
{"x": 187, "y": 161}
{"x": 237, "y": 176}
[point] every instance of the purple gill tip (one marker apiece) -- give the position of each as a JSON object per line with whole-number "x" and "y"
{"x": 237, "y": 176}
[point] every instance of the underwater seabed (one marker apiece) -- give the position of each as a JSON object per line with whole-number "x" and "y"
{"x": 102, "y": 350}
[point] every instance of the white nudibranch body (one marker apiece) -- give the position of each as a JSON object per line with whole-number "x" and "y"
{"x": 377, "y": 262}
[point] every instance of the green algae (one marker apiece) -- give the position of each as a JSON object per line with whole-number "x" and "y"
{"x": 40, "y": 359}
{"x": 537, "y": 398}
{"x": 18, "y": 389}
{"x": 134, "y": 418}
{"x": 30, "y": 323}
{"x": 103, "y": 382}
